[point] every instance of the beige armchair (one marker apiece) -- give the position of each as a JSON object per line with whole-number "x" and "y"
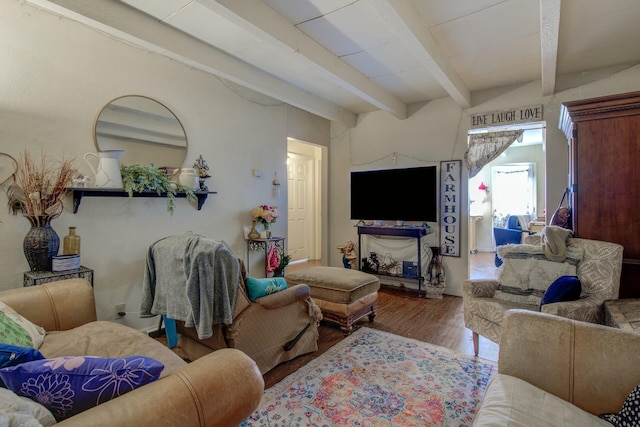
{"x": 272, "y": 329}
{"x": 599, "y": 274}
{"x": 554, "y": 371}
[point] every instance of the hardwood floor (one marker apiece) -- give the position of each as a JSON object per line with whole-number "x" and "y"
{"x": 436, "y": 321}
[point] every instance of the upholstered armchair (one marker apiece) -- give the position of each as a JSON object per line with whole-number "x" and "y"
{"x": 271, "y": 329}
{"x": 512, "y": 233}
{"x": 599, "y": 273}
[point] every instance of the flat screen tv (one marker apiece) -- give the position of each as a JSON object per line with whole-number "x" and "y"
{"x": 408, "y": 194}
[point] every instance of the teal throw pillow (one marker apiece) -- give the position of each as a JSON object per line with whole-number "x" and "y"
{"x": 258, "y": 288}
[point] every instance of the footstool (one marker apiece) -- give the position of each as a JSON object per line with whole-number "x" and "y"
{"x": 343, "y": 295}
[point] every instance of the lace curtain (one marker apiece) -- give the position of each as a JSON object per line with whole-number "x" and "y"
{"x": 484, "y": 147}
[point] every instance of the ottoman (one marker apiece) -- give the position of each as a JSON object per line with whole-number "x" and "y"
{"x": 344, "y": 295}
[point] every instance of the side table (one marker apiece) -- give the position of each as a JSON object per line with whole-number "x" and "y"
{"x": 32, "y": 278}
{"x": 623, "y": 314}
{"x": 264, "y": 244}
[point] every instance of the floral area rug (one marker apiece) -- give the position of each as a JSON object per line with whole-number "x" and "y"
{"x": 374, "y": 378}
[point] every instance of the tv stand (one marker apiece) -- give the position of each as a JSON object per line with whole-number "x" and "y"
{"x": 415, "y": 232}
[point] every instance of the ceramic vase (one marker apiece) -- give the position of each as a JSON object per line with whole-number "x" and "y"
{"x": 40, "y": 244}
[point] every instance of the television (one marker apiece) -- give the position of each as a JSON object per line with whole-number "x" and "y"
{"x": 408, "y": 194}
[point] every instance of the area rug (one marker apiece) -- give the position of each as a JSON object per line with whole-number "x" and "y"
{"x": 374, "y": 378}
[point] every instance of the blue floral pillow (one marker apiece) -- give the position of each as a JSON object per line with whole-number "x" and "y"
{"x": 258, "y": 288}
{"x": 69, "y": 385}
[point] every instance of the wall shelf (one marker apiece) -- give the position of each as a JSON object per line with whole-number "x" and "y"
{"x": 78, "y": 193}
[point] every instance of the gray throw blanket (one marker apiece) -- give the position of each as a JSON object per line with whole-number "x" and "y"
{"x": 193, "y": 279}
{"x": 554, "y": 242}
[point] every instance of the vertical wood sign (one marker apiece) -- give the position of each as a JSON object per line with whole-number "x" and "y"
{"x": 450, "y": 175}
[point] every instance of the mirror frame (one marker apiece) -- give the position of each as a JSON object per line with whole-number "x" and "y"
{"x": 143, "y": 141}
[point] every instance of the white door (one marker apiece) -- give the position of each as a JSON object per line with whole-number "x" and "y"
{"x": 300, "y": 180}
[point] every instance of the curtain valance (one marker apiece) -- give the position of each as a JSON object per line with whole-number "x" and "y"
{"x": 484, "y": 147}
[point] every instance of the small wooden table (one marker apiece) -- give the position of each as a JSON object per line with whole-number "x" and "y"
{"x": 623, "y": 314}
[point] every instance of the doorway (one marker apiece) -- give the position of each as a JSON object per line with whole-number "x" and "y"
{"x": 304, "y": 207}
{"x": 493, "y": 194}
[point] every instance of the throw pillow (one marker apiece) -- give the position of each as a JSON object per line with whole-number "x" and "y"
{"x": 258, "y": 288}
{"x": 69, "y": 385}
{"x": 565, "y": 288}
{"x": 11, "y": 355}
{"x": 629, "y": 415}
{"x": 16, "y": 330}
{"x": 527, "y": 273}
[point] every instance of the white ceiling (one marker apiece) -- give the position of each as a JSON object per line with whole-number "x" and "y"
{"x": 340, "y": 58}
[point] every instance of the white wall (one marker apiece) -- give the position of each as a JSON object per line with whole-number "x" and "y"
{"x": 55, "y": 77}
{"x": 438, "y": 130}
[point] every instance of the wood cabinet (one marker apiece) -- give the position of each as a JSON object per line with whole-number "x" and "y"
{"x": 604, "y": 175}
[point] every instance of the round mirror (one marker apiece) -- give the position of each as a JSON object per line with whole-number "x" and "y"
{"x": 146, "y": 130}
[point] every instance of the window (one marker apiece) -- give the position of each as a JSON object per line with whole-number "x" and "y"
{"x": 514, "y": 191}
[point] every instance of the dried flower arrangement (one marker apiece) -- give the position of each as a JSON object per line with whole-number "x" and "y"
{"x": 40, "y": 187}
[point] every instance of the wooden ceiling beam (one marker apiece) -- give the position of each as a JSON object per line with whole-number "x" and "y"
{"x": 549, "y": 35}
{"x": 405, "y": 21}
{"x": 260, "y": 20}
{"x": 123, "y": 22}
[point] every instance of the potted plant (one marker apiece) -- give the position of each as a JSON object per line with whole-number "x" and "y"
{"x": 139, "y": 178}
{"x": 284, "y": 261}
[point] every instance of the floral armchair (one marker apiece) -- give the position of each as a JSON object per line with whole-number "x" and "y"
{"x": 599, "y": 274}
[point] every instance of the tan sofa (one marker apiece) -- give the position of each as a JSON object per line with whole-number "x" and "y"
{"x": 263, "y": 329}
{"x": 554, "y": 371}
{"x": 221, "y": 389}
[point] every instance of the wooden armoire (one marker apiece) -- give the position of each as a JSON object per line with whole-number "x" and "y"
{"x": 604, "y": 175}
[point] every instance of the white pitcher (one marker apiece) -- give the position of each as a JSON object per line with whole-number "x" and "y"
{"x": 108, "y": 173}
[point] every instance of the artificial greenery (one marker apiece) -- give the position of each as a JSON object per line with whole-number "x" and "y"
{"x": 139, "y": 178}
{"x": 284, "y": 261}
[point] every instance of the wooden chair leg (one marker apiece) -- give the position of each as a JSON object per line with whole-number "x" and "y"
{"x": 476, "y": 338}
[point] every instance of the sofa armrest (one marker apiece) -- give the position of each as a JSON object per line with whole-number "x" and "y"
{"x": 284, "y": 297}
{"x": 587, "y": 309}
{"x": 483, "y": 288}
{"x": 56, "y": 306}
{"x": 592, "y": 366}
{"x": 220, "y": 389}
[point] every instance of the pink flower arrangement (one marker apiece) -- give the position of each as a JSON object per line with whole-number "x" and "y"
{"x": 265, "y": 214}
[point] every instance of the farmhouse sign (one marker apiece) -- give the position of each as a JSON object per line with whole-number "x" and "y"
{"x": 507, "y": 117}
{"x": 450, "y": 175}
